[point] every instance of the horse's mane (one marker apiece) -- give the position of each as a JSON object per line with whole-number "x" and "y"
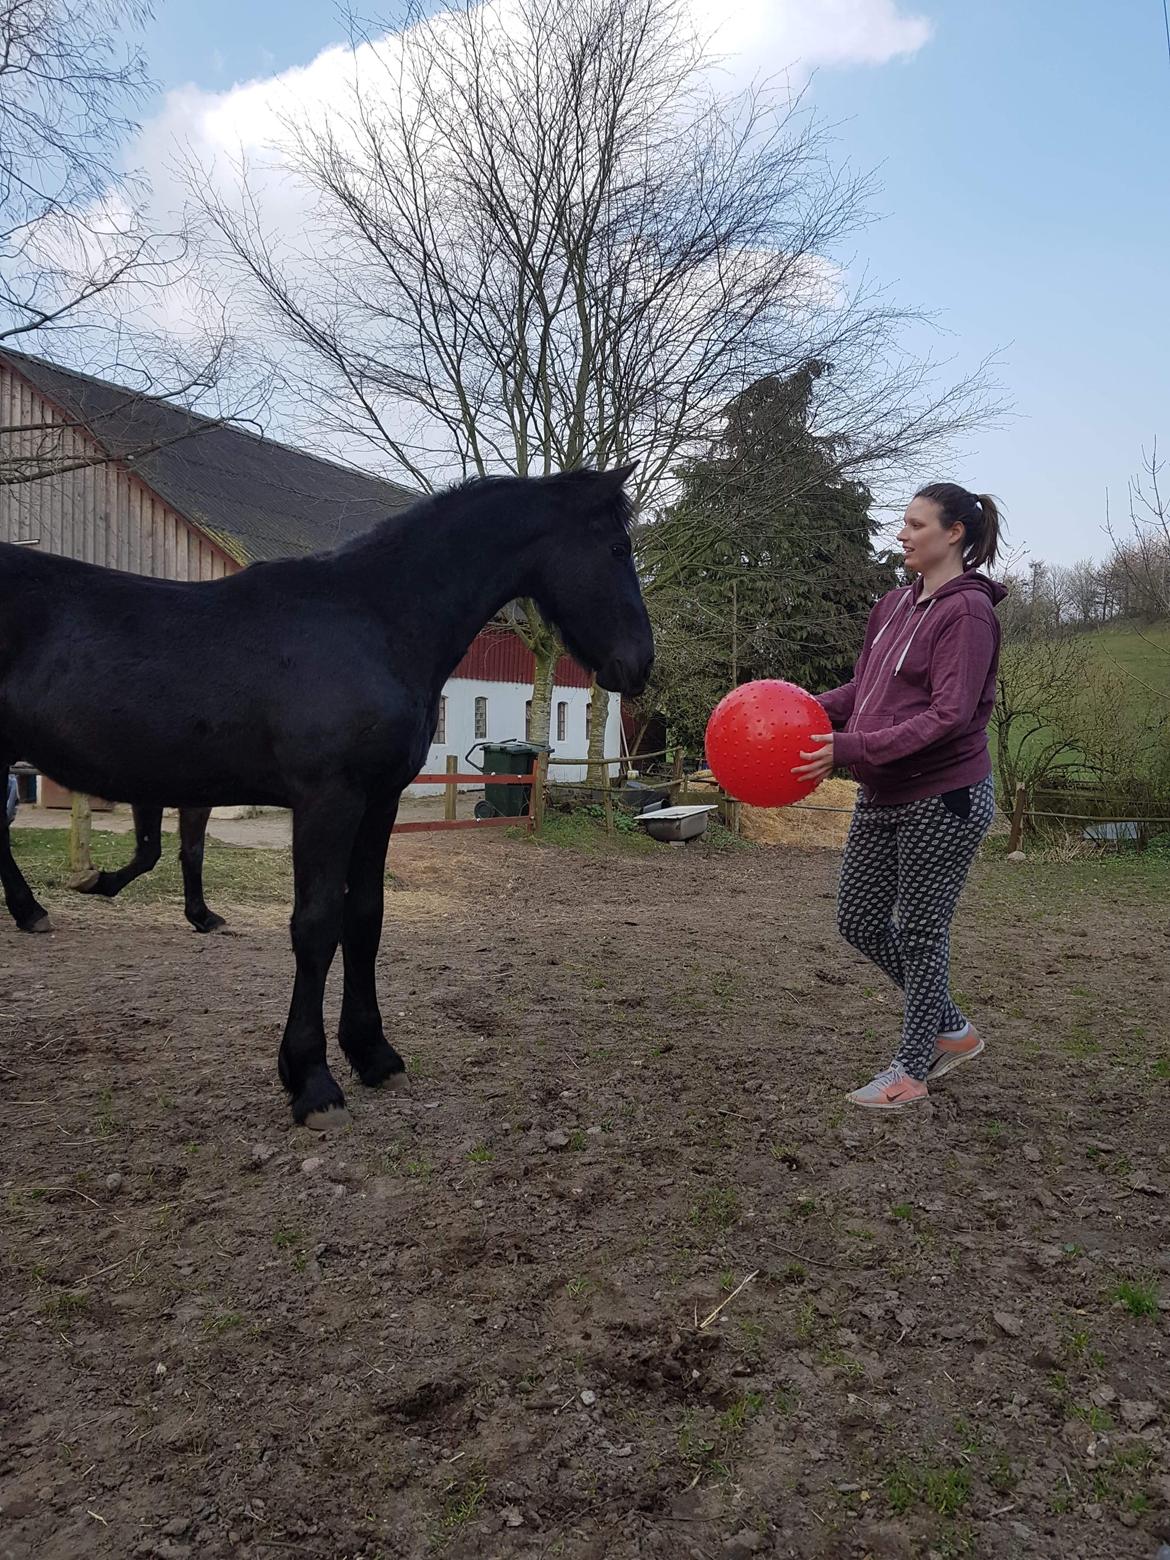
{"x": 618, "y": 507}
{"x": 621, "y": 507}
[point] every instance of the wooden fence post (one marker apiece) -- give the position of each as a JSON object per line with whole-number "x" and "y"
{"x": 1015, "y": 838}
{"x": 451, "y": 790}
{"x": 536, "y": 800}
{"x": 608, "y": 804}
{"x": 677, "y": 773}
{"x": 80, "y": 834}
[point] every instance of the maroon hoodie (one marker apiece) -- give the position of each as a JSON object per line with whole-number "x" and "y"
{"x": 913, "y": 722}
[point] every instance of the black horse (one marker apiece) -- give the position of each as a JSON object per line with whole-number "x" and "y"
{"x": 311, "y": 684}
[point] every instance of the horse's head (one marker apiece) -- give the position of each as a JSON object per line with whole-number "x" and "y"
{"x": 585, "y": 580}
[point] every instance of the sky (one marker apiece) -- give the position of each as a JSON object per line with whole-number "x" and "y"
{"x": 1022, "y": 153}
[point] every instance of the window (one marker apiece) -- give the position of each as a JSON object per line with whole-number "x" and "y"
{"x": 589, "y": 720}
{"x": 441, "y": 723}
{"x": 528, "y": 721}
{"x": 480, "y": 718}
{"x": 562, "y": 719}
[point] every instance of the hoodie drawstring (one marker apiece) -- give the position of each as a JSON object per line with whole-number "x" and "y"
{"x": 891, "y": 618}
{"x": 886, "y": 660}
{"x": 910, "y": 641}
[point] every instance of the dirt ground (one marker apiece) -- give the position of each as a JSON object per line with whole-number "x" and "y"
{"x": 477, "y": 1322}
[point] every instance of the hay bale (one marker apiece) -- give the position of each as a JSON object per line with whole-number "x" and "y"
{"x": 810, "y": 823}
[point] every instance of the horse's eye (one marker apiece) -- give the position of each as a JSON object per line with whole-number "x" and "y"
{"x": 620, "y": 550}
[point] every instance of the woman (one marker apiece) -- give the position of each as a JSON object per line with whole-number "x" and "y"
{"x": 912, "y": 725}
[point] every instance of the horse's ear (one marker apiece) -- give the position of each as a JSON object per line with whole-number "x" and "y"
{"x": 620, "y": 475}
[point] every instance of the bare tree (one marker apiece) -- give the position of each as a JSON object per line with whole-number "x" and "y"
{"x": 69, "y": 232}
{"x": 1142, "y": 558}
{"x": 1034, "y": 722}
{"x": 542, "y": 239}
{"x": 1082, "y": 592}
{"x": 1061, "y": 711}
{"x": 79, "y": 261}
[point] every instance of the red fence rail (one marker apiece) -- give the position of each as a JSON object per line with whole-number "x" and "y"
{"x": 451, "y": 779}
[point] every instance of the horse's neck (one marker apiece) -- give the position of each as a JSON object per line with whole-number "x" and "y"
{"x": 437, "y": 578}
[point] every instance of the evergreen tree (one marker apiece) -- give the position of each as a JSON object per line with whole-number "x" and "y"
{"x": 765, "y": 565}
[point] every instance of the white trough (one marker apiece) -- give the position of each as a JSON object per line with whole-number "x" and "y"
{"x": 676, "y": 823}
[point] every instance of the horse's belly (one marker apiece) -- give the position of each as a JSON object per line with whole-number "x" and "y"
{"x": 109, "y": 753}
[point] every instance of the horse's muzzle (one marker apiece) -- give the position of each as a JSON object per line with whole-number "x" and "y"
{"x": 626, "y": 677}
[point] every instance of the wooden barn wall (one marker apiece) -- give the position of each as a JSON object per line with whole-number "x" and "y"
{"x": 99, "y": 514}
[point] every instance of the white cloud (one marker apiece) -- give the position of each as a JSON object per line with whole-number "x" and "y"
{"x": 214, "y": 130}
{"x": 752, "y": 37}
{"x": 807, "y": 34}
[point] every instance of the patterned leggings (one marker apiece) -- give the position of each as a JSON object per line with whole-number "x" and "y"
{"x": 901, "y": 877}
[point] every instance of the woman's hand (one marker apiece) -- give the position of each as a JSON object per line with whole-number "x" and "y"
{"x": 820, "y": 763}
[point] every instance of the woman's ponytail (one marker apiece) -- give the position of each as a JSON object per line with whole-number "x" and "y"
{"x": 977, "y": 513}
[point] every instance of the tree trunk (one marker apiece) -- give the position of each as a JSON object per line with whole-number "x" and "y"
{"x": 546, "y": 651}
{"x": 599, "y": 704}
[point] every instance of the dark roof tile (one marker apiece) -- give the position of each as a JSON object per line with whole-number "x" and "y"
{"x": 255, "y": 498}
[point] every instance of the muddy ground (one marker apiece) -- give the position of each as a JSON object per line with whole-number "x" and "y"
{"x": 476, "y": 1322}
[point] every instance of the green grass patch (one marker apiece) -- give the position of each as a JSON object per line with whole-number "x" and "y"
{"x": 716, "y": 1208}
{"x": 1138, "y": 1296}
{"x": 223, "y": 1322}
{"x": 944, "y": 1490}
{"x": 463, "y": 1503}
{"x": 65, "y": 1303}
{"x": 736, "y": 1416}
{"x": 584, "y": 830}
{"x": 231, "y": 873}
{"x": 1092, "y": 1415}
{"x": 1038, "y": 890}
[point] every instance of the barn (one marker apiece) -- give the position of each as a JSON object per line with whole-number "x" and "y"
{"x": 131, "y": 482}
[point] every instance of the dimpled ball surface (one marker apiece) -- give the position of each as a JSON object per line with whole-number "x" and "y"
{"x": 755, "y": 736}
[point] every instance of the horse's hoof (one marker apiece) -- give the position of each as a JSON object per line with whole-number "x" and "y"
{"x": 41, "y": 924}
{"x": 330, "y": 1120}
{"x": 210, "y": 923}
{"x": 319, "y": 1103}
{"x": 85, "y": 882}
{"x": 384, "y": 1072}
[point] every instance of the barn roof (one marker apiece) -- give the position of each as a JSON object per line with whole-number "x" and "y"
{"x": 257, "y": 499}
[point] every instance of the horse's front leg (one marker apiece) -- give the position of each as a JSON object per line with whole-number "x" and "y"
{"x": 324, "y": 829}
{"x": 361, "y": 1035}
{"x": 147, "y": 850}
{"x": 192, "y": 832}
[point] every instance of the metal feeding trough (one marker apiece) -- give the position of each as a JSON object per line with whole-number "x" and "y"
{"x": 676, "y": 823}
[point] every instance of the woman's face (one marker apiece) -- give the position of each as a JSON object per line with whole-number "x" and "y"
{"x": 924, "y": 541}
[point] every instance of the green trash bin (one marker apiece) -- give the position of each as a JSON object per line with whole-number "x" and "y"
{"x": 505, "y": 758}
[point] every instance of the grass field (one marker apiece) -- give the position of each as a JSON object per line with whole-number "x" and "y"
{"x": 240, "y": 875}
{"x": 1137, "y": 661}
{"x": 1142, "y": 656}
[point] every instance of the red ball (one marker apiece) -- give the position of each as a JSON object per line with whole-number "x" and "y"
{"x": 755, "y": 736}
